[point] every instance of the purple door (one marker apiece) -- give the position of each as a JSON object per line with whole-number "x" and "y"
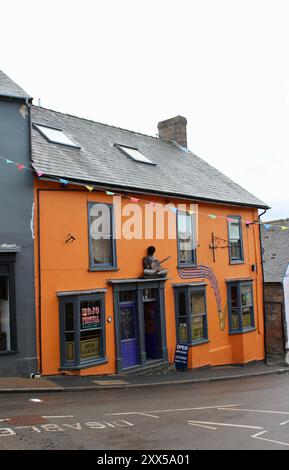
{"x": 129, "y": 344}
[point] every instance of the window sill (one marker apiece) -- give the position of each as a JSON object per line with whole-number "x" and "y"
{"x": 84, "y": 365}
{"x": 237, "y": 261}
{"x": 242, "y": 332}
{"x": 103, "y": 268}
{"x": 195, "y": 343}
{"x": 189, "y": 265}
{"x": 8, "y": 353}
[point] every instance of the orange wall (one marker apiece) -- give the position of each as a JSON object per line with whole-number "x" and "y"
{"x": 65, "y": 267}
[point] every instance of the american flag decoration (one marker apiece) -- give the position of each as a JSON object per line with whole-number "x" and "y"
{"x": 201, "y": 271}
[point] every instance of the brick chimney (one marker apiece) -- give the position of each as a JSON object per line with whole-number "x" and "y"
{"x": 174, "y": 129}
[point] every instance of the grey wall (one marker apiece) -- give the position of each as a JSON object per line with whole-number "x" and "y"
{"x": 16, "y": 204}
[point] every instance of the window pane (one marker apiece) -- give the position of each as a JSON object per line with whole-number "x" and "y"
{"x": 247, "y": 319}
{"x": 69, "y": 316}
{"x": 90, "y": 344}
{"x": 56, "y": 135}
{"x": 149, "y": 294}
{"x": 197, "y": 303}
{"x": 90, "y": 315}
{"x": 198, "y": 327}
{"x": 235, "y": 319}
{"x": 135, "y": 154}
{"x": 101, "y": 234}
{"x": 182, "y": 303}
{"x": 234, "y": 296}
{"x": 246, "y": 296}
{"x": 183, "y": 329}
{"x": 235, "y": 249}
{"x": 234, "y": 230}
{"x": 186, "y": 237}
{"x": 127, "y": 322}
{"x": 69, "y": 346}
{"x": 5, "y": 335}
{"x": 126, "y": 296}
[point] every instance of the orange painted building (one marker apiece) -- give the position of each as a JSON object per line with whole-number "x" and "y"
{"x": 97, "y": 313}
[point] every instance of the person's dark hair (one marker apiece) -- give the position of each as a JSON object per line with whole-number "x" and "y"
{"x": 151, "y": 250}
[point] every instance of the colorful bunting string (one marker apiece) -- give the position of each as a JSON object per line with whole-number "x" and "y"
{"x": 90, "y": 188}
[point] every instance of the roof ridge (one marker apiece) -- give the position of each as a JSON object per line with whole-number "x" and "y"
{"x": 278, "y": 220}
{"x": 100, "y": 123}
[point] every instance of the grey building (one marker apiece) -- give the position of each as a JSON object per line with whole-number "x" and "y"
{"x": 275, "y": 243}
{"x": 17, "y": 298}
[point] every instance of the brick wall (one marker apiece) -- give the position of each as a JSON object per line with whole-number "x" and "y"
{"x": 274, "y": 319}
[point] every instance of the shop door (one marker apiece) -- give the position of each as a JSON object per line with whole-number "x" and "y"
{"x": 129, "y": 342}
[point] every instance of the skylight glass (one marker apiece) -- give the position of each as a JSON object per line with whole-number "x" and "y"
{"x": 135, "y": 154}
{"x": 56, "y": 135}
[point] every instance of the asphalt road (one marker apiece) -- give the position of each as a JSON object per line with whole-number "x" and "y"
{"x": 250, "y": 413}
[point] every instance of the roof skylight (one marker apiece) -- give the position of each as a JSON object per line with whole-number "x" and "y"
{"x": 135, "y": 154}
{"x": 56, "y": 136}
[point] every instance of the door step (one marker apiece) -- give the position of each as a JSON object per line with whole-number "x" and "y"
{"x": 152, "y": 368}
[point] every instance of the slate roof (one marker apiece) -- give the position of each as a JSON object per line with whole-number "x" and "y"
{"x": 10, "y": 88}
{"x": 177, "y": 172}
{"x": 276, "y": 251}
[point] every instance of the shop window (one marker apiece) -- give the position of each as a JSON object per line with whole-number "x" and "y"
{"x": 7, "y": 308}
{"x": 186, "y": 228}
{"x": 240, "y": 307}
{"x": 102, "y": 247}
{"x": 82, "y": 330}
{"x": 236, "y": 254}
{"x": 191, "y": 314}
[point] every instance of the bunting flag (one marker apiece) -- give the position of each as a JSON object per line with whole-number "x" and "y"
{"x": 65, "y": 182}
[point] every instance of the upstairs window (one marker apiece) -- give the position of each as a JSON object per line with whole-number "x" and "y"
{"x": 134, "y": 154}
{"x": 101, "y": 236}
{"x": 236, "y": 254}
{"x": 186, "y": 227}
{"x": 57, "y": 136}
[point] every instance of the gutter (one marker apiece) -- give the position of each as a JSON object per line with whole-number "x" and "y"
{"x": 263, "y": 282}
{"x": 151, "y": 192}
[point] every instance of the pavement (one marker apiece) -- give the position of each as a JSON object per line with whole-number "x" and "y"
{"x": 63, "y": 383}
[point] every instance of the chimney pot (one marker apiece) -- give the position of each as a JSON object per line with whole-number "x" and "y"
{"x": 174, "y": 129}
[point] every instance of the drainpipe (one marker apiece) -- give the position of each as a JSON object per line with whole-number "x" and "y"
{"x": 263, "y": 283}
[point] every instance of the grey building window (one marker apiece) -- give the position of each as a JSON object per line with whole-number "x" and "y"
{"x": 8, "y": 340}
{"x": 186, "y": 231}
{"x": 102, "y": 245}
{"x": 240, "y": 307}
{"x": 82, "y": 330}
{"x": 191, "y": 314}
{"x": 236, "y": 253}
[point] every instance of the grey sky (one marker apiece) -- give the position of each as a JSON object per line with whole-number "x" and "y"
{"x": 223, "y": 64}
